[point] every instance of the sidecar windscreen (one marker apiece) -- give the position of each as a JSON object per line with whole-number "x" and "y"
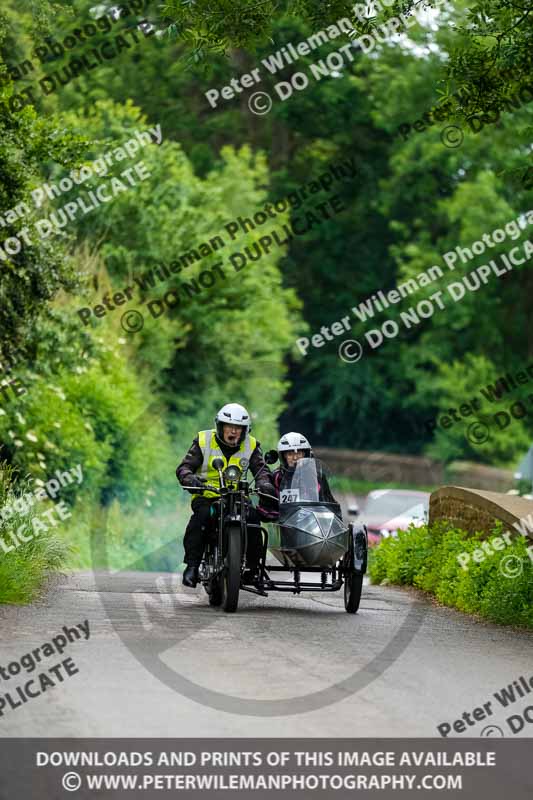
{"x": 301, "y": 484}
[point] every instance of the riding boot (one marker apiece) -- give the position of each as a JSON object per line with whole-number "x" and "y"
{"x": 190, "y": 576}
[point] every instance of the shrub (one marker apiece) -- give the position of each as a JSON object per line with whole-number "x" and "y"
{"x": 427, "y": 558}
{"x": 23, "y": 569}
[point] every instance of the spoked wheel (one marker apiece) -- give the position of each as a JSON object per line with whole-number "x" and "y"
{"x": 353, "y": 586}
{"x": 231, "y": 575}
{"x": 215, "y": 591}
{"x": 355, "y": 568}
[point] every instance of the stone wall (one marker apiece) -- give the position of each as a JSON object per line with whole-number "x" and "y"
{"x": 474, "y": 510}
{"x": 413, "y": 470}
{"x": 479, "y": 476}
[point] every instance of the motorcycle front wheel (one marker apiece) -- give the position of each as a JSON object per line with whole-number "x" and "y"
{"x": 231, "y": 575}
{"x": 215, "y": 592}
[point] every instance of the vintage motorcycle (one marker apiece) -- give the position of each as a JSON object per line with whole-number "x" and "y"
{"x": 308, "y": 536}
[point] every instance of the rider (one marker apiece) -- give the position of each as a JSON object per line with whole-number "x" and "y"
{"x": 291, "y": 448}
{"x": 231, "y": 441}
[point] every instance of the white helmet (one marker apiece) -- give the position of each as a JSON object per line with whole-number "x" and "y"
{"x": 235, "y": 414}
{"x": 293, "y": 441}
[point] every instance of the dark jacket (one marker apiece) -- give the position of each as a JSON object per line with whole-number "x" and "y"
{"x": 186, "y": 471}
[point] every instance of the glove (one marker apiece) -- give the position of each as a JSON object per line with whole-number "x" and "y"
{"x": 193, "y": 482}
{"x": 266, "y": 488}
{"x": 271, "y": 501}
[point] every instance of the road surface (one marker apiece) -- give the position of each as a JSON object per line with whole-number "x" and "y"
{"x": 269, "y": 654}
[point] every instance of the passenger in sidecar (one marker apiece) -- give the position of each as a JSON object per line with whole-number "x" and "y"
{"x": 292, "y": 447}
{"x": 309, "y": 531}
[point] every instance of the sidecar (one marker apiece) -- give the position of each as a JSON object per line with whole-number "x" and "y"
{"x": 310, "y": 536}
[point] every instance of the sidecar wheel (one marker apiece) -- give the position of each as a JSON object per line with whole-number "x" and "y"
{"x": 353, "y": 586}
{"x": 231, "y": 575}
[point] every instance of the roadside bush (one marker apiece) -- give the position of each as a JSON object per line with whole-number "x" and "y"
{"x": 24, "y": 569}
{"x": 427, "y": 559}
{"x": 87, "y": 417}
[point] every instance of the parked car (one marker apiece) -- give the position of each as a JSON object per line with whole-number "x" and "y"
{"x": 386, "y": 511}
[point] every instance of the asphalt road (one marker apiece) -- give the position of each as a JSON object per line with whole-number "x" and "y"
{"x": 147, "y": 632}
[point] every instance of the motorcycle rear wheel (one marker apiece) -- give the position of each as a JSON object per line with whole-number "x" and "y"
{"x": 231, "y": 575}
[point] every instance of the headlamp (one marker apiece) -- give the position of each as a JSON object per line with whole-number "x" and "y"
{"x": 232, "y": 474}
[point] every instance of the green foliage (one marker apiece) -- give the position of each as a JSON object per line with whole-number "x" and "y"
{"x": 90, "y": 397}
{"x": 158, "y": 221}
{"x": 208, "y": 28}
{"x": 490, "y": 52}
{"x": 427, "y": 559}
{"x": 410, "y": 202}
{"x": 38, "y": 271}
{"x": 23, "y": 569}
{"x": 460, "y": 382}
{"x": 139, "y": 536}
{"x": 91, "y": 390}
{"x": 87, "y": 417}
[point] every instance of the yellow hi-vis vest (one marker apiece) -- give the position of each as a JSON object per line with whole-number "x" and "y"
{"x": 211, "y": 450}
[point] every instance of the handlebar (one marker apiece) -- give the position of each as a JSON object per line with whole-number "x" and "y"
{"x": 197, "y": 489}
{"x": 265, "y": 494}
{"x": 219, "y": 491}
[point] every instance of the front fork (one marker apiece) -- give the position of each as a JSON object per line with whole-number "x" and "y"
{"x": 212, "y": 561}
{"x": 229, "y": 515}
{"x": 236, "y": 515}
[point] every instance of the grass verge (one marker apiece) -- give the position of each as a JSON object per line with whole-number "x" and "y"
{"x": 24, "y": 566}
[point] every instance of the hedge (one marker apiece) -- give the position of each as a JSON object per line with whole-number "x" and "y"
{"x": 427, "y": 559}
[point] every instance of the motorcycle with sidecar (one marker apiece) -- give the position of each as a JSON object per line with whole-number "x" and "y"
{"x": 308, "y": 538}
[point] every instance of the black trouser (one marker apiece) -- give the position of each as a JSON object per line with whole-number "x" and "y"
{"x": 204, "y": 522}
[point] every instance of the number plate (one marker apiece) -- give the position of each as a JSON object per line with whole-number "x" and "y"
{"x": 289, "y": 496}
